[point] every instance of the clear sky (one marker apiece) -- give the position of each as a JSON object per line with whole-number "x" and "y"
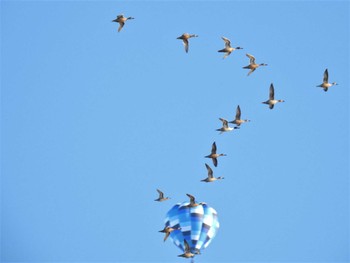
{"x": 93, "y": 121}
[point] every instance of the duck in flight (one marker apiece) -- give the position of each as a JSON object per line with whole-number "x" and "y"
{"x": 211, "y": 177}
{"x": 228, "y": 49}
{"x": 213, "y": 155}
{"x": 187, "y": 253}
{"x": 238, "y": 121}
{"x": 271, "y": 101}
{"x": 325, "y": 85}
{"x": 252, "y": 65}
{"x": 161, "y": 197}
{"x": 167, "y": 230}
{"x": 121, "y": 19}
{"x": 185, "y": 38}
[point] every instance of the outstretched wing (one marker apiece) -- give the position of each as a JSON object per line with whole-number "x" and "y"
{"x": 215, "y": 162}
{"x": 252, "y": 58}
{"x": 227, "y": 42}
{"x": 224, "y": 122}
{"x": 213, "y": 148}
{"x": 272, "y": 92}
{"x": 192, "y": 198}
{"x": 187, "y": 247}
{"x": 238, "y": 113}
{"x": 161, "y": 194}
{"x": 325, "y": 76}
{"x": 251, "y": 71}
{"x": 185, "y": 41}
{"x": 210, "y": 171}
{"x": 121, "y": 24}
{"x": 167, "y": 234}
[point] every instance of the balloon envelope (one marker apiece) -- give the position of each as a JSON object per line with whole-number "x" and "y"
{"x": 198, "y": 224}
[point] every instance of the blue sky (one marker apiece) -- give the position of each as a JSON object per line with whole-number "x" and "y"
{"x": 93, "y": 121}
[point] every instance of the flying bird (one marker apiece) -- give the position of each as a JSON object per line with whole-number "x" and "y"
{"x": 213, "y": 155}
{"x": 121, "y": 20}
{"x": 167, "y": 230}
{"x": 185, "y": 38}
{"x": 325, "y": 85}
{"x": 252, "y": 65}
{"x": 161, "y": 197}
{"x": 210, "y": 177}
{"x": 225, "y": 127}
{"x": 228, "y": 49}
{"x": 271, "y": 101}
{"x": 238, "y": 121}
{"x": 187, "y": 252}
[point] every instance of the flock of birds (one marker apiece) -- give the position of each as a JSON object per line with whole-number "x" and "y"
{"x": 271, "y": 102}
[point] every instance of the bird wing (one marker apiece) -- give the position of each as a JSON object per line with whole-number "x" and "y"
{"x": 166, "y": 236}
{"x": 215, "y": 162}
{"x": 252, "y": 58}
{"x": 227, "y": 42}
{"x": 213, "y": 148}
{"x": 185, "y": 42}
{"x": 226, "y": 55}
{"x": 325, "y": 76}
{"x": 192, "y": 198}
{"x": 251, "y": 71}
{"x": 121, "y": 24}
{"x": 187, "y": 247}
{"x": 238, "y": 113}
{"x": 210, "y": 171}
{"x": 224, "y": 122}
{"x": 272, "y": 92}
{"x": 161, "y": 194}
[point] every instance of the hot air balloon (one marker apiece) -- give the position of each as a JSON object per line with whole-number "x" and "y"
{"x": 197, "y": 223}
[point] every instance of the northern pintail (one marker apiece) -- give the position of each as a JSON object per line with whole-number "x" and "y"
{"x": 167, "y": 230}
{"x": 161, "y": 197}
{"x": 238, "y": 121}
{"x": 253, "y": 66}
{"x": 210, "y": 177}
{"x": 228, "y": 49}
{"x": 214, "y": 155}
{"x": 271, "y": 101}
{"x": 185, "y": 38}
{"x": 225, "y": 127}
{"x": 187, "y": 251}
{"x": 325, "y": 85}
{"x": 121, "y": 20}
